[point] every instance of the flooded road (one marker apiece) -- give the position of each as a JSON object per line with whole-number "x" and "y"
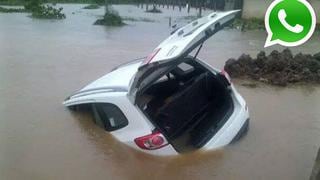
{"x": 42, "y": 62}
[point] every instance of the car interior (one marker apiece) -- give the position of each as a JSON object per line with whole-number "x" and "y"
{"x": 188, "y": 105}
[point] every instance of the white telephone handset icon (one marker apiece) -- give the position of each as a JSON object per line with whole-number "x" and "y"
{"x": 282, "y": 17}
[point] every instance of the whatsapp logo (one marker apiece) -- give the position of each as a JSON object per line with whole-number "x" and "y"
{"x": 289, "y": 22}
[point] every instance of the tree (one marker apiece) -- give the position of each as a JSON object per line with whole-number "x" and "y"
{"x": 100, "y": 2}
{"x": 32, "y": 5}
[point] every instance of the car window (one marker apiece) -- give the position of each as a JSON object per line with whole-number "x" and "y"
{"x": 109, "y": 116}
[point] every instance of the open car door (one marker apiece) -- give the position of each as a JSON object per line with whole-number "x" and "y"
{"x": 177, "y": 46}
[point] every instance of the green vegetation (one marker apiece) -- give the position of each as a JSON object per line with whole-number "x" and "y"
{"x": 12, "y": 10}
{"x": 110, "y": 18}
{"x": 41, "y": 11}
{"x": 48, "y": 12}
{"x": 37, "y": 9}
{"x": 248, "y": 24}
{"x": 92, "y": 6}
{"x": 12, "y": 2}
{"x": 32, "y": 5}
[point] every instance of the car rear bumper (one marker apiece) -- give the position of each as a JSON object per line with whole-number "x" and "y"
{"x": 243, "y": 131}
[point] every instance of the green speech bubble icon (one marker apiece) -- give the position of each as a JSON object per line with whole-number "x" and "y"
{"x": 289, "y": 22}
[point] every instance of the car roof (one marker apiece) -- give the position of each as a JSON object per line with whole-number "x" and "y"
{"x": 117, "y": 80}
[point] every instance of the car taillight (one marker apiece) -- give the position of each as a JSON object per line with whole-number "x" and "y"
{"x": 226, "y": 75}
{"x": 152, "y": 141}
{"x": 151, "y": 56}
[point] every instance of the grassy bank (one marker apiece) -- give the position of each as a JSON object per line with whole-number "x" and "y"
{"x": 12, "y": 10}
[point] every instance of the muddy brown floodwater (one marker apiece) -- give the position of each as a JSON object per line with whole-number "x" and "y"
{"x": 42, "y": 62}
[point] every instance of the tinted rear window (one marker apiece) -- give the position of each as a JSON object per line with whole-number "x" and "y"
{"x": 109, "y": 116}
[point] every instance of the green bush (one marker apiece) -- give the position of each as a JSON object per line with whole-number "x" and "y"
{"x": 110, "y": 18}
{"x": 32, "y": 5}
{"x": 48, "y": 12}
{"x": 41, "y": 11}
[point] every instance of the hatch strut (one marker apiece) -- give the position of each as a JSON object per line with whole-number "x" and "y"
{"x": 195, "y": 56}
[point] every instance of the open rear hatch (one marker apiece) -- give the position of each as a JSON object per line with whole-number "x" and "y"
{"x": 187, "y": 106}
{"x": 177, "y": 46}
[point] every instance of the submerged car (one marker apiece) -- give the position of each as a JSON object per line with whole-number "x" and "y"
{"x": 169, "y": 102}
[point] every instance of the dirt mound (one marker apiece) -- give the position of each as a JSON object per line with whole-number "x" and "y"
{"x": 278, "y": 68}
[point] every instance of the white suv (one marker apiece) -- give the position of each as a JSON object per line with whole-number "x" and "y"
{"x": 169, "y": 102}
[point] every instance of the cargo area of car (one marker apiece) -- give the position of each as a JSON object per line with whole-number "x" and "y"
{"x": 188, "y": 105}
